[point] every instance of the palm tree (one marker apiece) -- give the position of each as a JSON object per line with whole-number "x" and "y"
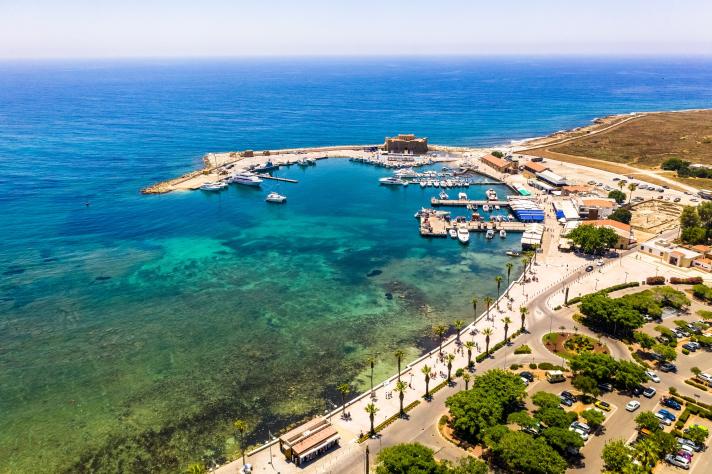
{"x": 525, "y": 261}
{"x": 426, "y": 371}
{"x": 399, "y": 357}
{"x": 401, "y": 387}
{"x": 344, "y": 389}
{"x": 470, "y": 345}
{"x": 466, "y": 377}
{"x": 509, "y": 266}
{"x": 488, "y": 303}
{"x": 523, "y": 314}
{"x": 474, "y": 305}
{"x": 487, "y": 332}
{"x": 241, "y": 427}
{"x": 449, "y": 358}
{"x": 498, "y": 279}
{"x": 440, "y": 331}
{"x": 459, "y": 324}
{"x": 646, "y": 453}
{"x": 371, "y": 409}
{"x": 507, "y": 321}
{"x": 632, "y": 187}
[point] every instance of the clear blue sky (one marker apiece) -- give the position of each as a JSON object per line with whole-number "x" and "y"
{"x": 145, "y": 28}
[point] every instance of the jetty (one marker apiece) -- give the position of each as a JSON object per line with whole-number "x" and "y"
{"x": 436, "y": 226}
{"x": 467, "y": 202}
{"x": 276, "y": 178}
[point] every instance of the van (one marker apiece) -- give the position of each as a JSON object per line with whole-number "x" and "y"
{"x": 554, "y": 376}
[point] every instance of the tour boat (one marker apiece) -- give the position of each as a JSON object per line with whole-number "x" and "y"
{"x": 463, "y": 235}
{"x": 276, "y": 198}
{"x": 391, "y": 181}
{"x": 462, "y": 196}
{"x": 214, "y": 186}
{"x": 248, "y": 179}
{"x": 489, "y": 234}
{"x": 453, "y": 233}
{"x": 443, "y": 195}
{"x": 502, "y": 233}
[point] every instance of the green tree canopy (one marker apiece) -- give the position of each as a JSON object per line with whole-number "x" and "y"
{"x": 647, "y": 419}
{"x": 618, "y": 195}
{"x": 697, "y": 434}
{"x": 546, "y": 400}
{"x": 617, "y": 317}
{"x": 592, "y": 239}
{"x": 585, "y": 384}
{"x": 646, "y": 341}
{"x": 594, "y": 418}
{"x": 621, "y": 215}
{"x": 562, "y": 439}
{"x": 408, "y": 458}
{"x": 519, "y": 452}
{"x": 616, "y": 456}
{"x": 469, "y": 465}
{"x": 666, "y": 352}
{"x": 555, "y": 417}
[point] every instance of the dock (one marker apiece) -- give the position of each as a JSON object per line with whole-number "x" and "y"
{"x": 434, "y": 226}
{"x": 286, "y": 180}
{"x": 467, "y": 202}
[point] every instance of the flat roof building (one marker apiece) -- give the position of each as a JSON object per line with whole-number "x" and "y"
{"x": 552, "y": 178}
{"x": 406, "y": 144}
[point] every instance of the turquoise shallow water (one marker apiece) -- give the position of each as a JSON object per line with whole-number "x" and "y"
{"x": 133, "y": 331}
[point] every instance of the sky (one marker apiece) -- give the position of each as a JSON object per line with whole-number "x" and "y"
{"x": 214, "y": 28}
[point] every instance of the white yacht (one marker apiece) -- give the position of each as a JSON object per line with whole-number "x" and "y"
{"x": 491, "y": 194}
{"x": 462, "y": 196}
{"x": 391, "y": 181}
{"x": 443, "y": 195}
{"x": 452, "y": 232}
{"x": 485, "y": 207}
{"x": 496, "y": 206}
{"x": 276, "y": 198}
{"x": 463, "y": 235}
{"x": 423, "y": 184}
{"x": 247, "y": 179}
{"x": 214, "y": 186}
{"x": 489, "y": 234}
{"x": 502, "y": 233}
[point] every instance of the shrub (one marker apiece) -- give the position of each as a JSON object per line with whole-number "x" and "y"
{"x": 685, "y": 351}
{"x": 655, "y": 280}
{"x": 514, "y": 367}
{"x": 558, "y": 307}
{"x": 546, "y": 366}
{"x": 686, "y": 281}
{"x": 702, "y": 292}
{"x": 459, "y": 372}
{"x": 695, "y": 384}
{"x": 523, "y": 349}
{"x": 443, "y": 420}
{"x": 532, "y": 365}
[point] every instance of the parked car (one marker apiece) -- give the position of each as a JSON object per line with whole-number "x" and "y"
{"x": 668, "y": 367}
{"x": 527, "y": 375}
{"x": 663, "y": 419}
{"x": 705, "y": 377}
{"x": 684, "y": 454}
{"x": 580, "y": 432}
{"x": 605, "y": 387}
{"x": 652, "y": 376}
{"x": 667, "y": 414}
{"x": 566, "y": 401}
{"x": 670, "y": 403}
{"x": 689, "y": 443}
{"x": 686, "y": 448}
{"x": 649, "y": 392}
{"x": 568, "y": 395}
{"x": 589, "y": 268}
{"x": 532, "y": 430}
{"x": 689, "y": 347}
{"x": 603, "y": 405}
{"x": 582, "y": 426}
{"x": 632, "y": 405}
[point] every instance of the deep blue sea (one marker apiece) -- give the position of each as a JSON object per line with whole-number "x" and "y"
{"x": 134, "y": 330}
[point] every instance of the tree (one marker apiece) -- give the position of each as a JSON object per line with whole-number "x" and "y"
{"x": 399, "y": 354}
{"x": 603, "y": 313}
{"x": 629, "y": 375}
{"x": 523, "y": 314}
{"x": 487, "y": 332}
{"x": 405, "y": 458}
{"x": 619, "y": 196}
{"x": 426, "y": 371}
{"x": 689, "y": 218}
{"x": 621, "y": 215}
{"x": 459, "y": 324}
{"x": 507, "y": 321}
{"x": 600, "y": 367}
{"x": 522, "y": 419}
{"x": 562, "y": 439}
{"x": 469, "y": 345}
{"x": 632, "y": 187}
{"x": 666, "y": 352}
{"x": 497, "y": 154}
{"x": 546, "y": 400}
{"x": 401, "y": 387}
{"x": 241, "y": 427}
{"x": 665, "y": 443}
{"x": 344, "y": 389}
{"x": 469, "y": 465}
{"x": 646, "y": 453}
{"x": 371, "y": 362}
{"x": 526, "y": 260}
{"x": 585, "y": 384}
{"x": 196, "y": 468}
{"x": 697, "y": 434}
{"x": 371, "y": 409}
{"x": 648, "y": 420}
{"x": 509, "y": 266}
{"x": 498, "y": 279}
{"x": 592, "y": 239}
{"x": 594, "y": 418}
{"x": 616, "y": 456}
{"x": 449, "y": 358}
{"x": 519, "y": 452}
{"x": 440, "y": 330}
{"x": 555, "y": 416}
{"x": 474, "y": 305}
{"x": 488, "y": 303}
{"x": 466, "y": 378}
{"x": 694, "y": 235}
{"x": 646, "y": 341}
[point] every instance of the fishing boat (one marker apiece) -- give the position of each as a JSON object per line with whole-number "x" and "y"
{"x": 214, "y": 186}
{"x": 485, "y": 207}
{"x": 247, "y": 179}
{"x": 443, "y": 195}
{"x": 392, "y": 181}
{"x": 462, "y": 196}
{"x": 512, "y": 253}
{"x": 502, "y": 233}
{"x": 463, "y": 235}
{"x": 489, "y": 234}
{"x": 276, "y": 198}
{"x": 453, "y": 233}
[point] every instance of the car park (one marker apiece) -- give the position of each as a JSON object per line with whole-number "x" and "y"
{"x": 667, "y": 414}
{"x": 603, "y": 405}
{"x": 670, "y": 403}
{"x": 649, "y": 392}
{"x": 652, "y": 376}
{"x": 632, "y": 405}
{"x": 668, "y": 367}
{"x": 677, "y": 461}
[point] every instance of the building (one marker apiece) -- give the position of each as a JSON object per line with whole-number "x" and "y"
{"x": 526, "y": 210}
{"x": 501, "y": 165}
{"x": 534, "y": 167}
{"x": 308, "y": 441}
{"x": 704, "y": 264}
{"x": 576, "y": 189}
{"x": 566, "y": 210}
{"x": 596, "y": 208}
{"x": 532, "y": 236}
{"x": 669, "y": 252}
{"x": 406, "y": 144}
{"x": 552, "y": 178}
{"x": 626, "y": 239}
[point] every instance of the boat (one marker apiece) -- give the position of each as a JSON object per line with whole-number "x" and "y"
{"x": 302, "y": 162}
{"x": 502, "y": 233}
{"x": 443, "y": 195}
{"x": 463, "y": 235}
{"x": 391, "y": 181}
{"x": 214, "y": 186}
{"x": 462, "y": 196}
{"x": 423, "y": 184}
{"x": 485, "y": 207}
{"x": 496, "y": 206}
{"x": 269, "y": 166}
{"x": 276, "y": 198}
{"x": 247, "y": 179}
{"x": 512, "y": 253}
{"x": 310, "y": 161}
{"x": 453, "y": 233}
{"x": 491, "y": 194}
{"x": 489, "y": 234}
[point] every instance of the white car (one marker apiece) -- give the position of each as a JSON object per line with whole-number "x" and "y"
{"x": 706, "y": 377}
{"x": 663, "y": 419}
{"x": 632, "y": 405}
{"x": 599, "y": 262}
{"x": 652, "y": 376}
{"x": 580, "y": 432}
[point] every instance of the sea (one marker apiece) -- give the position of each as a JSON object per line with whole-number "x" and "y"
{"x": 134, "y": 329}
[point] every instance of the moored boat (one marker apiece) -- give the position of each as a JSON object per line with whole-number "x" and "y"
{"x": 443, "y": 195}
{"x": 276, "y": 198}
{"x": 392, "y": 181}
{"x": 214, "y": 186}
{"x": 247, "y": 179}
{"x": 512, "y": 253}
{"x": 463, "y": 235}
{"x": 502, "y": 233}
{"x": 489, "y": 234}
{"x": 452, "y": 232}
